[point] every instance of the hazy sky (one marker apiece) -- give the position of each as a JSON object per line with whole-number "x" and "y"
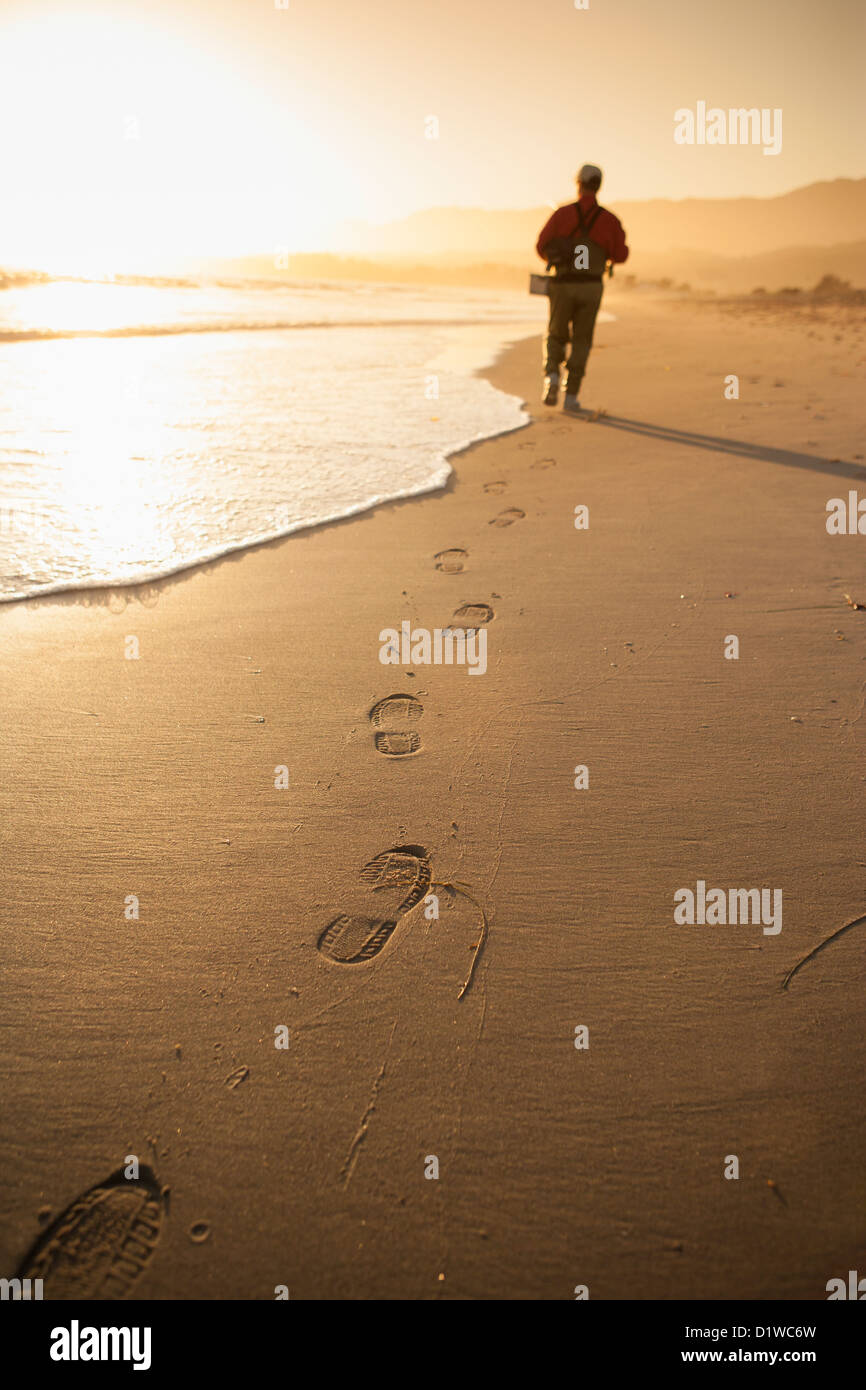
{"x": 133, "y": 128}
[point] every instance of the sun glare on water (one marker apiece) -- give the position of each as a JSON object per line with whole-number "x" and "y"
{"x": 101, "y": 422}
{"x": 68, "y": 306}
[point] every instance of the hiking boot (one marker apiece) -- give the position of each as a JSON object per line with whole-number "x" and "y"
{"x": 572, "y": 405}
{"x": 551, "y": 389}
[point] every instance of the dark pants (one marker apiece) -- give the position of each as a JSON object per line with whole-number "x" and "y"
{"x": 573, "y": 308}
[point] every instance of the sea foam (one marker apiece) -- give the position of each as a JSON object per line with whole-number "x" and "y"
{"x": 177, "y": 431}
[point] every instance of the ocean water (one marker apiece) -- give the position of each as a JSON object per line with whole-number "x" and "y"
{"x": 145, "y": 428}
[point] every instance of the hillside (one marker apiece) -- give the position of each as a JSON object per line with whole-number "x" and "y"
{"x": 822, "y": 214}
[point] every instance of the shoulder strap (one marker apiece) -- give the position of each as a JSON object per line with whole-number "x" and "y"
{"x": 585, "y": 226}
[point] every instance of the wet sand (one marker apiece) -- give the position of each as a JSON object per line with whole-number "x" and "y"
{"x": 558, "y": 1166}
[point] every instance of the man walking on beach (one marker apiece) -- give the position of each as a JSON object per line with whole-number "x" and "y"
{"x": 579, "y": 241}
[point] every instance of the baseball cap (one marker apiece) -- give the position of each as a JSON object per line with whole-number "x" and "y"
{"x": 589, "y": 173}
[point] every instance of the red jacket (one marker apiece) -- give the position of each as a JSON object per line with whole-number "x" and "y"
{"x": 607, "y": 230}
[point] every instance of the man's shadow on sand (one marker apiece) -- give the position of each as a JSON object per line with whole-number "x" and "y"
{"x": 740, "y": 448}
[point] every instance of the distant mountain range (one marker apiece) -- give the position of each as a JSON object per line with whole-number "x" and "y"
{"x": 730, "y": 244}
{"x": 821, "y": 214}
{"x": 800, "y": 266}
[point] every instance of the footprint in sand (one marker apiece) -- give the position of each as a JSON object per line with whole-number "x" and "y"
{"x": 404, "y": 874}
{"x": 543, "y": 463}
{"x": 495, "y": 488}
{"x": 389, "y": 717}
{"x": 451, "y": 561}
{"x": 474, "y": 614}
{"x": 99, "y": 1247}
{"x": 508, "y": 517}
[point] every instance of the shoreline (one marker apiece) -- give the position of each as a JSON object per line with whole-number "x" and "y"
{"x": 463, "y": 357}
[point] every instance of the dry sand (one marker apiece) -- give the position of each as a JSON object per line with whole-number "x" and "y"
{"x": 557, "y": 1167}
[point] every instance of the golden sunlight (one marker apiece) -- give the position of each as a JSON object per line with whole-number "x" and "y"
{"x": 126, "y": 166}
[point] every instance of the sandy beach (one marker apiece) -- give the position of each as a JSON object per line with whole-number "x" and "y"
{"x": 558, "y": 1166}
